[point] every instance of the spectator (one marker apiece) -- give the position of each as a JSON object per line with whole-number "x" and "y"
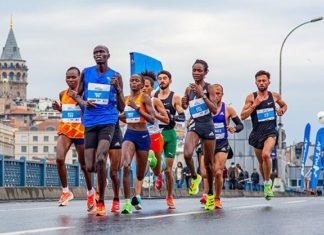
{"x": 232, "y": 176}
{"x": 255, "y": 177}
{"x": 187, "y": 174}
{"x": 224, "y": 176}
{"x": 179, "y": 175}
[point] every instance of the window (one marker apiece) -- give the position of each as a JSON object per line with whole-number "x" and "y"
{"x": 35, "y": 149}
{"x": 46, "y": 138}
{"x": 35, "y": 138}
{"x": 45, "y": 149}
{"x": 23, "y": 138}
{"x": 50, "y": 128}
{"x": 55, "y": 138}
{"x": 55, "y": 149}
{"x": 33, "y": 128}
{"x": 23, "y": 149}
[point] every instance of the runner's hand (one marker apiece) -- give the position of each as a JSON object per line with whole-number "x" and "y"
{"x": 89, "y": 104}
{"x": 231, "y": 129}
{"x": 197, "y": 89}
{"x": 72, "y": 93}
{"x": 280, "y": 112}
{"x": 115, "y": 82}
{"x": 56, "y": 106}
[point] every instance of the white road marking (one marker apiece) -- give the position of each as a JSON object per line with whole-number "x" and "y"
{"x": 293, "y": 202}
{"x": 251, "y": 206}
{"x": 36, "y": 230}
{"x": 171, "y": 215}
{"x": 28, "y": 209}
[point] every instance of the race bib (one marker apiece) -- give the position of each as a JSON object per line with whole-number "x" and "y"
{"x": 220, "y": 130}
{"x": 71, "y": 113}
{"x": 265, "y": 114}
{"x": 99, "y": 93}
{"x": 198, "y": 108}
{"x": 132, "y": 116}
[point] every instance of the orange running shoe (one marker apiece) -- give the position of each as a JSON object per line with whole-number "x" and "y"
{"x": 100, "y": 209}
{"x": 159, "y": 183}
{"x": 170, "y": 203}
{"x": 91, "y": 202}
{"x": 203, "y": 199}
{"x": 65, "y": 198}
{"x": 218, "y": 203}
{"x": 96, "y": 196}
{"x": 114, "y": 206}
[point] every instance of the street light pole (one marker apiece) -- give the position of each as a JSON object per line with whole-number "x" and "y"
{"x": 280, "y": 75}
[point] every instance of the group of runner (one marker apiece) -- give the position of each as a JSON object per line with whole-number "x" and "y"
{"x": 94, "y": 103}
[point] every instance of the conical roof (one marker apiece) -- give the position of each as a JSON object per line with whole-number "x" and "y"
{"x": 11, "y": 49}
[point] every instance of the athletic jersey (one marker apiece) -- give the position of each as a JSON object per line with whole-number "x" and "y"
{"x": 198, "y": 109}
{"x": 153, "y": 128}
{"x": 132, "y": 115}
{"x": 220, "y": 124}
{"x": 70, "y": 123}
{"x": 97, "y": 88}
{"x": 264, "y": 118}
{"x": 167, "y": 103}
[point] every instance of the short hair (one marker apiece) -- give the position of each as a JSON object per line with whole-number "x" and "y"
{"x": 103, "y": 46}
{"x": 138, "y": 76}
{"x": 204, "y": 63}
{"x": 73, "y": 67}
{"x": 219, "y": 85}
{"x": 150, "y": 76}
{"x": 166, "y": 73}
{"x": 262, "y": 72}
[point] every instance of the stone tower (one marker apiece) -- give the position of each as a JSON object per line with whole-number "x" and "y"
{"x": 13, "y": 75}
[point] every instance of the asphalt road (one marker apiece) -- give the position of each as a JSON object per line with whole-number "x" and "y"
{"x": 246, "y": 216}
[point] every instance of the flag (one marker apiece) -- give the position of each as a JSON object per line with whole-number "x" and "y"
{"x": 319, "y": 145}
{"x": 304, "y": 154}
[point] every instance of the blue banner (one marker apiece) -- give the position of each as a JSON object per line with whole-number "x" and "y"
{"x": 304, "y": 154}
{"x": 141, "y": 63}
{"x": 319, "y": 145}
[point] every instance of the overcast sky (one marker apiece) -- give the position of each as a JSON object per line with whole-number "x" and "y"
{"x": 236, "y": 38}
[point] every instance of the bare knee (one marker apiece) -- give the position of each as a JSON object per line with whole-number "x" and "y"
{"x": 60, "y": 161}
{"x": 127, "y": 170}
{"x": 113, "y": 174}
{"x": 265, "y": 156}
{"x": 219, "y": 173}
{"x": 83, "y": 168}
{"x": 168, "y": 172}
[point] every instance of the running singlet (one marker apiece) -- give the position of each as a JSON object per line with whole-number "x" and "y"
{"x": 98, "y": 89}
{"x": 220, "y": 125}
{"x": 167, "y": 103}
{"x": 153, "y": 128}
{"x": 264, "y": 118}
{"x": 198, "y": 108}
{"x": 70, "y": 123}
{"x": 133, "y": 116}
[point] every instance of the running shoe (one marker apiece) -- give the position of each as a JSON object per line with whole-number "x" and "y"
{"x": 210, "y": 203}
{"x": 96, "y": 196}
{"x": 170, "y": 203}
{"x": 127, "y": 208}
{"x": 91, "y": 202}
{"x": 268, "y": 194}
{"x": 194, "y": 185}
{"x": 218, "y": 203}
{"x": 65, "y": 198}
{"x": 114, "y": 206}
{"x": 203, "y": 199}
{"x": 101, "y": 209}
{"x": 159, "y": 183}
{"x": 137, "y": 202}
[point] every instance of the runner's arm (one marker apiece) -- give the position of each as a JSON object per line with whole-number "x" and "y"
{"x": 248, "y": 107}
{"x": 120, "y": 94}
{"x": 238, "y": 123}
{"x": 149, "y": 114}
{"x": 211, "y": 101}
{"x": 161, "y": 113}
{"x": 281, "y": 103}
{"x": 181, "y": 117}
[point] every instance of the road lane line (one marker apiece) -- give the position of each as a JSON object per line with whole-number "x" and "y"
{"x": 294, "y": 202}
{"x": 28, "y": 209}
{"x": 171, "y": 215}
{"x": 40, "y": 230}
{"x": 251, "y": 206}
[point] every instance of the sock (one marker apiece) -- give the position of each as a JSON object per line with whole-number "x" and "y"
{"x": 65, "y": 190}
{"x": 127, "y": 200}
{"x": 266, "y": 182}
{"x": 138, "y": 196}
{"x": 90, "y": 192}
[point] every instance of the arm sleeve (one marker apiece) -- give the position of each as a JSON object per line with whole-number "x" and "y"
{"x": 239, "y": 125}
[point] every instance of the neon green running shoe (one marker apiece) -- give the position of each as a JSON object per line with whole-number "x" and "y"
{"x": 127, "y": 208}
{"x": 268, "y": 194}
{"x": 210, "y": 203}
{"x": 194, "y": 185}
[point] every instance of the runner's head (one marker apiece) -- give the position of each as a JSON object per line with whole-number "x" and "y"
{"x": 262, "y": 80}
{"x": 219, "y": 92}
{"x": 101, "y": 54}
{"x": 148, "y": 78}
{"x": 136, "y": 82}
{"x": 164, "y": 79}
{"x": 199, "y": 70}
{"x": 72, "y": 77}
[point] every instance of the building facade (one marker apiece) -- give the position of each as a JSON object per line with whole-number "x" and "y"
{"x": 7, "y": 138}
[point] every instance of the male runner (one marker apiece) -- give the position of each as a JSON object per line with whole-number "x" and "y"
{"x": 138, "y": 111}
{"x": 200, "y": 97}
{"x": 221, "y": 119}
{"x": 99, "y": 90}
{"x": 172, "y": 104}
{"x": 154, "y": 130}
{"x": 261, "y": 106}
{"x": 71, "y": 131}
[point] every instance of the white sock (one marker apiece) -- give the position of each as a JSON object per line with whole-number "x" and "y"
{"x": 90, "y": 192}
{"x": 65, "y": 190}
{"x": 266, "y": 181}
{"x": 127, "y": 200}
{"x": 138, "y": 196}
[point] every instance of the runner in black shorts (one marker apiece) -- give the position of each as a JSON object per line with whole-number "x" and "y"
{"x": 201, "y": 99}
{"x": 261, "y": 106}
